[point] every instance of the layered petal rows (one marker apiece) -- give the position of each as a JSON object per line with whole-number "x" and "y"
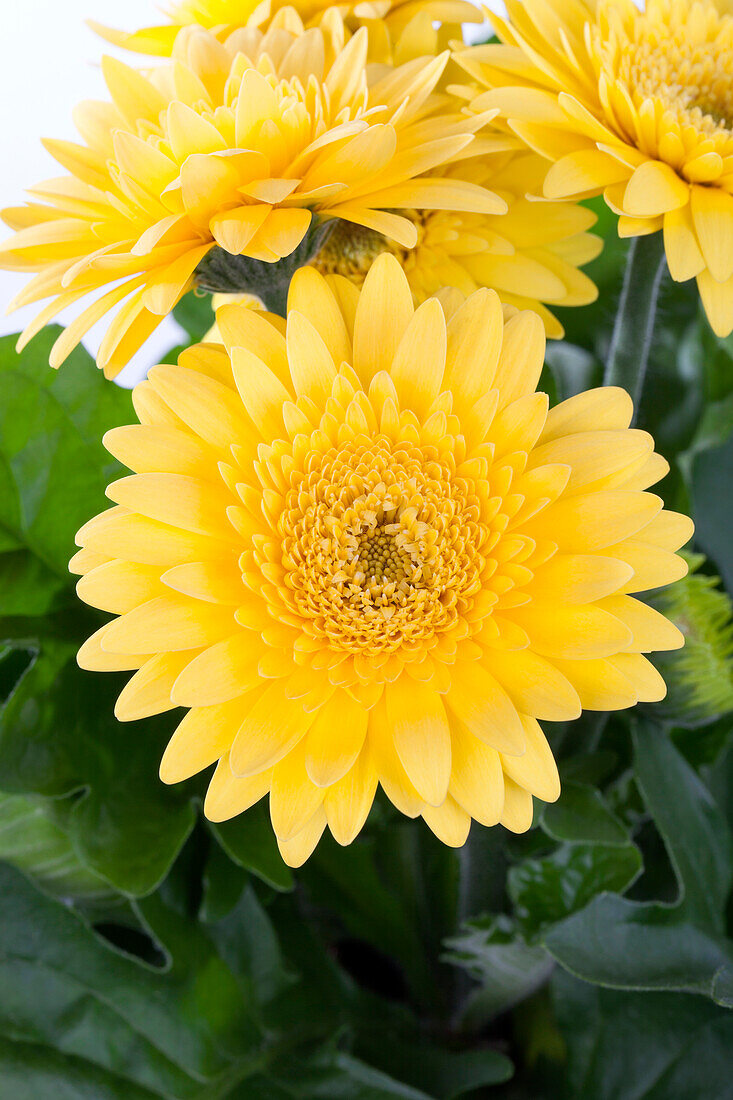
{"x": 361, "y": 552}
{"x": 636, "y": 105}
{"x": 243, "y": 145}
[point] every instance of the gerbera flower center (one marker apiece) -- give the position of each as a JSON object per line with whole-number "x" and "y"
{"x": 380, "y": 558}
{"x": 384, "y": 547}
{"x": 684, "y": 62}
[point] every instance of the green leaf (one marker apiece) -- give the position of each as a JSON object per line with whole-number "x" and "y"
{"x": 651, "y": 1046}
{"x": 444, "y": 1074}
{"x": 712, "y": 472}
{"x": 33, "y": 1072}
{"x": 330, "y": 1076}
{"x": 582, "y": 817}
{"x": 195, "y": 314}
{"x": 693, "y": 829}
{"x": 58, "y": 735}
{"x": 651, "y": 946}
{"x": 496, "y": 955}
{"x": 249, "y": 840}
{"x": 53, "y": 468}
{"x": 545, "y": 891}
{"x": 31, "y": 840}
{"x": 166, "y": 1030}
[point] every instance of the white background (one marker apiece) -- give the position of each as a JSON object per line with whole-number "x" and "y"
{"x": 49, "y": 60}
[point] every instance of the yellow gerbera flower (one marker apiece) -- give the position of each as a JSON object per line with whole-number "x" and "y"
{"x": 361, "y": 550}
{"x": 530, "y": 255}
{"x": 637, "y": 105}
{"x": 388, "y": 21}
{"x": 245, "y": 145}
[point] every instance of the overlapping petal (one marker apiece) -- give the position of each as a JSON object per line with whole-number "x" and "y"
{"x": 636, "y": 105}
{"x": 243, "y": 145}
{"x": 362, "y": 552}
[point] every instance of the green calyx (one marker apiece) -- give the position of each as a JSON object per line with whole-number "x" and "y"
{"x": 220, "y": 272}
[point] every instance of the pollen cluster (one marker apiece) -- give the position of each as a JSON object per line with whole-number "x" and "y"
{"x": 387, "y": 545}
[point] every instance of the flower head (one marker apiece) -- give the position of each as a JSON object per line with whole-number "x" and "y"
{"x": 637, "y": 105}
{"x": 361, "y": 550}
{"x": 243, "y": 145}
{"x": 388, "y": 21}
{"x": 530, "y": 255}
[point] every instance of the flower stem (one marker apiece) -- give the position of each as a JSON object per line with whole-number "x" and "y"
{"x": 633, "y": 330}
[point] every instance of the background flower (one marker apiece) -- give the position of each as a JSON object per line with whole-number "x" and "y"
{"x": 531, "y": 255}
{"x": 362, "y": 552}
{"x": 637, "y": 105}
{"x": 388, "y": 21}
{"x": 242, "y": 146}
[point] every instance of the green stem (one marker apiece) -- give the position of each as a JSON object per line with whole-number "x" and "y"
{"x": 633, "y": 331}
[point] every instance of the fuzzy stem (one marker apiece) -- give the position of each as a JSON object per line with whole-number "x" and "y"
{"x": 633, "y": 330}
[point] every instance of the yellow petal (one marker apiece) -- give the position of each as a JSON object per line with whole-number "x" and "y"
{"x": 572, "y": 631}
{"x": 475, "y": 337}
{"x": 684, "y": 258}
{"x": 647, "y": 682}
{"x": 168, "y": 623}
{"x": 176, "y": 499}
{"x": 535, "y": 771}
{"x": 335, "y": 739}
{"x": 296, "y": 851}
{"x": 535, "y": 685}
{"x": 419, "y": 362}
{"x": 348, "y": 802}
{"x": 294, "y": 798}
{"x": 599, "y": 684}
{"x": 155, "y": 450}
{"x": 522, "y": 357}
{"x": 204, "y": 735}
{"x": 273, "y": 726}
{"x": 593, "y": 521}
{"x": 450, "y": 823}
{"x": 518, "y": 807}
{"x": 229, "y": 795}
{"x": 581, "y": 578}
{"x": 119, "y": 586}
{"x": 310, "y": 294}
{"x": 712, "y": 214}
{"x": 94, "y": 658}
{"x": 311, "y": 366}
{"x": 484, "y": 708}
{"x": 477, "y": 779}
{"x": 222, "y": 672}
{"x": 263, "y": 395}
{"x": 148, "y": 692}
{"x": 654, "y": 189}
{"x": 606, "y": 408}
{"x": 650, "y": 630}
{"x": 210, "y": 409}
{"x": 421, "y": 735}
{"x": 384, "y": 311}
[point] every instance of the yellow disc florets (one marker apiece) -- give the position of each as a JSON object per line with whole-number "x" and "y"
{"x": 681, "y": 57}
{"x": 386, "y": 545}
